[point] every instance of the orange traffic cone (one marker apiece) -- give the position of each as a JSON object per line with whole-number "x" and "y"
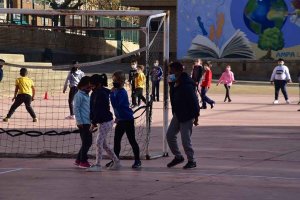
{"x": 46, "y": 95}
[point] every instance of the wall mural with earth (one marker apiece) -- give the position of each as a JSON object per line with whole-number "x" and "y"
{"x": 238, "y": 29}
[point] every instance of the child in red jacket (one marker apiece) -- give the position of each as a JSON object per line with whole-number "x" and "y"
{"x": 205, "y": 85}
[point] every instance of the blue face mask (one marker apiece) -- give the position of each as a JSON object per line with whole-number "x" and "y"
{"x": 172, "y": 78}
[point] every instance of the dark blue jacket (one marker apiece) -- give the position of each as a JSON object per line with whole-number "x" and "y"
{"x": 120, "y": 103}
{"x": 100, "y": 108}
{"x": 185, "y": 104}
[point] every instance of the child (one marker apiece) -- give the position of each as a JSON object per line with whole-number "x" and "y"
{"x": 103, "y": 119}
{"x": 124, "y": 118}
{"x": 197, "y": 73}
{"x": 156, "y": 75}
{"x": 72, "y": 81}
{"x": 205, "y": 85}
{"x": 82, "y": 114}
{"x": 280, "y": 77}
{"x": 140, "y": 81}
{"x": 227, "y": 78}
{"x": 131, "y": 80}
{"x": 24, "y": 93}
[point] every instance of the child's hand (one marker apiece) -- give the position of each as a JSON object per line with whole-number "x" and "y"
{"x": 79, "y": 125}
{"x": 92, "y": 128}
{"x": 196, "y": 121}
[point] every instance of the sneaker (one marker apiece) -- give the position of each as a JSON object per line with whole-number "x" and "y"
{"x": 70, "y": 117}
{"x": 77, "y": 163}
{"x": 35, "y": 120}
{"x": 137, "y": 164}
{"x": 116, "y": 165}
{"x": 212, "y": 105}
{"x": 84, "y": 165}
{"x": 287, "y": 101}
{"x": 5, "y": 119}
{"x": 108, "y": 165}
{"x": 276, "y": 102}
{"x": 94, "y": 168}
{"x": 175, "y": 161}
{"x": 190, "y": 165}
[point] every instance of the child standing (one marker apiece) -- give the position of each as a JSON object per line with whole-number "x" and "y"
{"x": 82, "y": 114}
{"x": 140, "y": 82}
{"x": 131, "y": 80}
{"x": 205, "y": 85}
{"x": 72, "y": 81}
{"x": 124, "y": 118}
{"x": 156, "y": 75}
{"x": 103, "y": 119}
{"x": 24, "y": 93}
{"x": 227, "y": 78}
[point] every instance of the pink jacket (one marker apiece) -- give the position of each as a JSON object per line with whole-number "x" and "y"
{"x": 227, "y": 78}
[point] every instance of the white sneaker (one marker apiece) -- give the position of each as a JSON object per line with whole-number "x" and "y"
{"x": 70, "y": 117}
{"x": 287, "y": 101}
{"x": 116, "y": 165}
{"x": 94, "y": 168}
{"x": 276, "y": 102}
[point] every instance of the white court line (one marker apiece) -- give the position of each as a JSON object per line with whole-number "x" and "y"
{"x": 9, "y": 171}
{"x": 171, "y": 172}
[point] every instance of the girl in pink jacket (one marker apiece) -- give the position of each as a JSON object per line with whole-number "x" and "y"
{"x": 227, "y": 78}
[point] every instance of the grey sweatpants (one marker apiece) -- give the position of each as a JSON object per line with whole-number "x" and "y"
{"x": 185, "y": 130}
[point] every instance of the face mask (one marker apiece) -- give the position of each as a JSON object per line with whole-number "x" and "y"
{"x": 156, "y": 64}
{"x": 280, "y": 64}
{"x": 116, "y": 85}
{"x": 134, "y": 66}
{"x": 172, "y": 78}
{"x": 227, "y": 70}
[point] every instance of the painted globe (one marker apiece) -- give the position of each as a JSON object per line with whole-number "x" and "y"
{"x": 263, "y": 14}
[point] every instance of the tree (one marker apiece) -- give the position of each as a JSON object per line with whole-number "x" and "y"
{"x": 105, "y": 4}
{"x": 271, "y": 39}
{"x": 66, "y": 4}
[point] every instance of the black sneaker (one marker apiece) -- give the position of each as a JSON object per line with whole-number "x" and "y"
{"x": 190, "y": 165}
{"x": 109, "y": 164}
{"x": 136, "y": 164}
{"x": 175, "y": 161}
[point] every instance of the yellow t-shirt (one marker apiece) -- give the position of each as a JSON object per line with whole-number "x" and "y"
{"x": 25, "y": 85}
{"x": 140, "y": 80}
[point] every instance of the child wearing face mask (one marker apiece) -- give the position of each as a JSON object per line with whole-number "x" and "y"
{"x": 156, "y": 75}
{"x": 140, "y": 82}
{"x": 131, "y": 80}
{"x": 124, "y": 118}
{"x": 227, "y": 78}
{"x": 82, "y": 114}
{"x": 102, "y": 118}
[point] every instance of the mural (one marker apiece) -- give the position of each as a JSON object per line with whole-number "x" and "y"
{"x": 238, "y": 29}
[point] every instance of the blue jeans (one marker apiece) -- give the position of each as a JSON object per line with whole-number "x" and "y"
{"x": 205, "y": 99}
{"x": 280, "y": 84}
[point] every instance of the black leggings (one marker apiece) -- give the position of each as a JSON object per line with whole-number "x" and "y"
{"x": 227, "y": 87}
{"x": 22, "y": 98}
{"x": 139, "y": 95}
{"x": 128, "y": 127}
{"x": 87, "y": 140}
{"x": 73, "y": 91}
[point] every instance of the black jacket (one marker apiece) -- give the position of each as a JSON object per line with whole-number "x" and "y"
{"x": 197, "y": 73}
{"x": 100, "y": 107}
{"x": 185, "y": 104}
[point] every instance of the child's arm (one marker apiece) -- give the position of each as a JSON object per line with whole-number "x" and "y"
{"x": 77, "y": 107}
{"x": 16, "y": 92}
{"x": 221, "y": 79}
{"x": 33, "y": 92}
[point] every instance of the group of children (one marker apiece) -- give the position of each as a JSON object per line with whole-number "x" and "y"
{"x": 94, "y": 111}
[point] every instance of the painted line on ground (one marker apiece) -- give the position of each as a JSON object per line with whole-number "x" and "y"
{"x": 171, "y": 172}
{"x": 9, "y": 171}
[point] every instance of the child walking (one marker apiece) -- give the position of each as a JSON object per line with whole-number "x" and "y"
{"x": 124, "y": 118}
{"x": 82, "y": 114}
{"x": 24, "y": 93}
{"x": 140, "y": 81}
{"x": 205, "y": 85}
{"x": 227, "y": 78}
{"x": 103, "y": 119}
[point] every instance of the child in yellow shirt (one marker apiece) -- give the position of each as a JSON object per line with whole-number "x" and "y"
{"x": 140, "y": 81}
{"x": 24, "y": 93}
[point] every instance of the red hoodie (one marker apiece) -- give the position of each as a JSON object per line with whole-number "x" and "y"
{"x": 207, "y": 79}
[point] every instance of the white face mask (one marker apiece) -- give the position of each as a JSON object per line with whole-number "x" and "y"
{"x": 156, "y": 64}
{"x": 133, "y": 66}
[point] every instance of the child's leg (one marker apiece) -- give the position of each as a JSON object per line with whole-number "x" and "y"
{"x": 142, "y": 96}
{"x": 18, "y": 101}
{"x": 27, "y": 101}
{"x": 73, "y": 91}
{"x": 107, "y": 127}
{"x": 87, "y": 139}
{"x": 283, "y": 90}
{"x": 130, "y": 132}
{"x": 277, "y": 88}
{"x": 119, "y": 132}
{"x": 227, "y": 91}
{"x": 157, "y": 90}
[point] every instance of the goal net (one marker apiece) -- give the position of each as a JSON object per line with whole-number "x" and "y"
{"x": 54, "y": 135}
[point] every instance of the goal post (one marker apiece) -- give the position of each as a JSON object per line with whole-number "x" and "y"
{"x": 150, "y": 15}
